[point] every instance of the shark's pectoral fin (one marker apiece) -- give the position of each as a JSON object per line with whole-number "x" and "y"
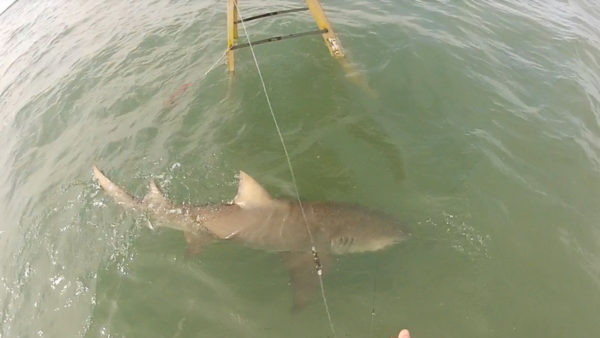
{"x": 195, "y": 242}
{"x": 303, "y": 275}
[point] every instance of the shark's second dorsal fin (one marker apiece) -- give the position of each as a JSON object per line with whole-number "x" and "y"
{"x": 155, "y": 196}
{"x": 250, "y": 194}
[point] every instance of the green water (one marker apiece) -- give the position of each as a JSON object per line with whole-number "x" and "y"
{"x": 483, "y": 137}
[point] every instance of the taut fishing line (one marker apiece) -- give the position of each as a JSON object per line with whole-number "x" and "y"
{"x": 318, "y": 267}
{"x": 214, "y": 64}
{"x": 372, "y": 324}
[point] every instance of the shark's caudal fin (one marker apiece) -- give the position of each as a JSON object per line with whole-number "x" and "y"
{"x": 120, "y": 196}
{"x": 161, "y": 210}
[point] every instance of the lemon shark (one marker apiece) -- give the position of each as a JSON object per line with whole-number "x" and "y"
{"x": 259, "y": 221}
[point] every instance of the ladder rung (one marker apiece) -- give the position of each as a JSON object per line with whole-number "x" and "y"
{"x": 259, "y": 16}
{"x": 278, "y": 38}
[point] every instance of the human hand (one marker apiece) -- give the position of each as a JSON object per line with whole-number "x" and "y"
{"x": 404, "y": 334}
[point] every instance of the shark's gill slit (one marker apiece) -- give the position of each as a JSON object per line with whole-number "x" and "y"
{"x": 315, "y": 253}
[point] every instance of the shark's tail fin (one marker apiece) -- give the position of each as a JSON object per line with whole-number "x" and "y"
{"x": 120, "y": 196}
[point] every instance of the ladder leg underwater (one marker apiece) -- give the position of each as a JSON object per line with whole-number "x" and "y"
{"x": 331, "y": 40}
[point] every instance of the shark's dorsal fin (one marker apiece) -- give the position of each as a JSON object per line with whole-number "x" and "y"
{"x": 250, "y": 194}
{"x": 155, "y": 196}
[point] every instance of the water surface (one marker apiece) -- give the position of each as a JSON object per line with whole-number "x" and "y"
{"x": 483, "y": 137}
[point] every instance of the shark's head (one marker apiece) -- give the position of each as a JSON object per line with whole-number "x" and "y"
{"x": 357, "y": 229}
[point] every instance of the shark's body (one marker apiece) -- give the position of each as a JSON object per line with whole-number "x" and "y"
{"x": 259, "y": 221}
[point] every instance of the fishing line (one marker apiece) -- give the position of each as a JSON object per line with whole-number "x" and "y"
{"x": 371, "y": 326}
{"x": 314, "y": 252}
{"x": 173, "y": 97}
{"x": 214, "y": 64}
{"x": 9, "y": 6}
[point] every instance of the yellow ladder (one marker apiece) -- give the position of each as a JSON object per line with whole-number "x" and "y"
{"x": 331, "y": 40}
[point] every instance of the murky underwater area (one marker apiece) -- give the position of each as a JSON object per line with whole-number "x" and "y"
{"x": 481, "y": 134}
